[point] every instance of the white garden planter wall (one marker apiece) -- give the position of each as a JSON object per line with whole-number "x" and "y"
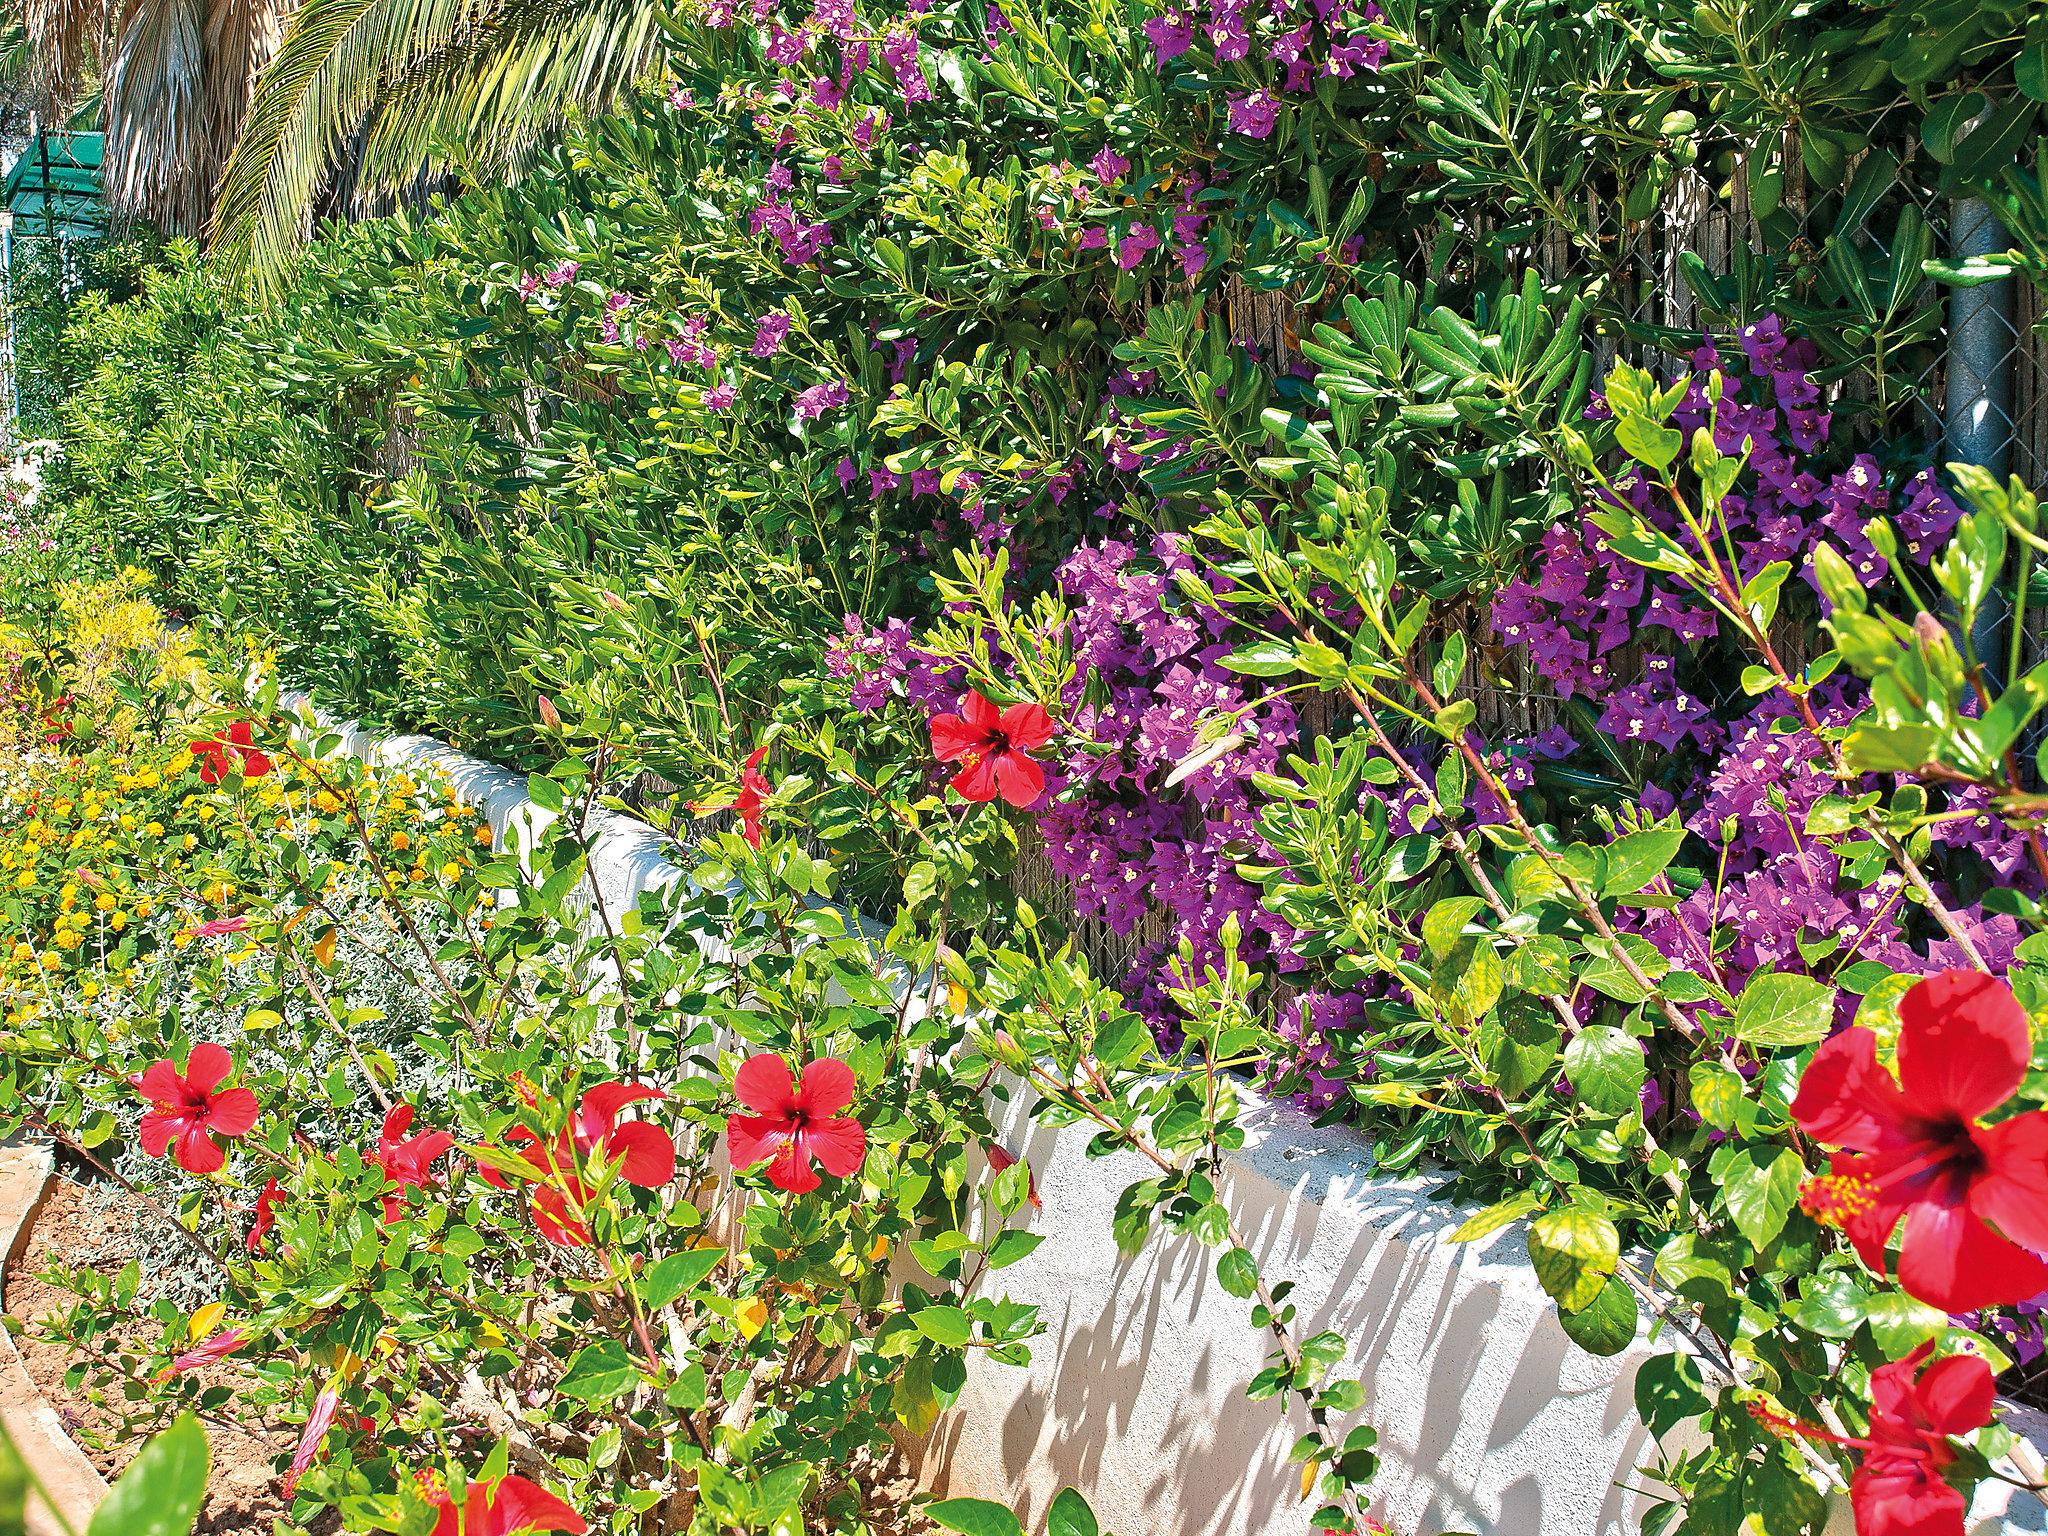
{"x": 1490, "y": 1420}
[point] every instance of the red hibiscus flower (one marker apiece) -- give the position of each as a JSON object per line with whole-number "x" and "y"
{"x": 407, "y": 1161}
{"x": 753, "y": 795}
{"x": 793, "y": 1125}
{"x": 1974, "y": 1197}
{"x": 186, "y": 1107}
{"x": 266, "y": 1214}
{"x": 1899, "y": 1489}
{"x": 210, "y": 1351}
{"x": 233, "y": 752}
{"x": 1001, "y": 1157}
{"x": 646, "y": 1155}
{"x": 512, "y": 1506}
{"x": 990, "y": 745}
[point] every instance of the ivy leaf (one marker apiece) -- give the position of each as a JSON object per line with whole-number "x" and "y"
{"x": 1574, "y": 1251}
{"x": 1760, "y": 1186}
{"x": 1783, "y": 1010}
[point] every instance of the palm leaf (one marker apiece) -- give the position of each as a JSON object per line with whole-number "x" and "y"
{"x": 416, "y": 86}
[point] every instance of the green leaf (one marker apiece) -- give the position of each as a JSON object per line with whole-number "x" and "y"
{"x": 1607, "y": 1324}
{"x": 1238, "y": 1272}
{"x": 1669, "y": 1392}
{"x": 1643, "y": 440}
{"x": 1482, "y": 1223}
{"x": 160, "y": 1493}
{"x": 1574, "y": 1251}
{"x": 1606, "y": 1068}
{"x": 677, "y": 1275}
{"x": 600, "y": 1373}
{"x": 1011, "y": 1245}
{"x": 1783, "y": 1010}
{"x": 1717, "y": 1093}
{"x": 1070, "y": 1516}
{"x": 944, "y": 1325}
{"x": 1637, "y": 858}
{"x": 1445, "y": 923}
{"x": 544, "y": 792}
{"x": 975, "y": 1517}
{"x": 1760, "y": 1185}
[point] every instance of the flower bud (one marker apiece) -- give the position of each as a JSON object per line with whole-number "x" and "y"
{"x": 549, "y": 715}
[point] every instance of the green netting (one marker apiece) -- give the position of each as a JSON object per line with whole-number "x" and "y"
{"x": 55, "y": 187}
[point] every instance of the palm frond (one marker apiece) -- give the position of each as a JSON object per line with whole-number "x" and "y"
{"x": 68, "y": 41}
{"x": 416, "y": 86}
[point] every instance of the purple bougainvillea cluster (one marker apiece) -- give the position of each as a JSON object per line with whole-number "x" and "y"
{"x": 1589, "y": 621}
{"x": 1149, "y": 673}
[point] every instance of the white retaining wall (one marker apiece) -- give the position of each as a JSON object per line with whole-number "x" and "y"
{"x": 1490, "y": 1420}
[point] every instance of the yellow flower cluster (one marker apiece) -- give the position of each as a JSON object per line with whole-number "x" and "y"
{"x": 124, "y": 854}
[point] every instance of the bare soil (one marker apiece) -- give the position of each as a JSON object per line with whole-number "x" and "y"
{"x": 77, "y": 1227}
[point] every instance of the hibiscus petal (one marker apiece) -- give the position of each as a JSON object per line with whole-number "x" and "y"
{"x": 232, "y": 1113}
{"x": 553, "y": 1221}
{"x": 792, "y": 1170}
{"x": 1026, "y": 726}
{"x": 953, "y": 738}
{"x": 157, "y": 1130}
{"x": 1963, "y": 1045}
{"x": 1019, "y": 779}
{"x": 161, "y": 1083}
{"x": 522, "y": 1506}
{"x": 2012, "y": 1191}
{"x": 598, "y": 1110}
{"x": 208, "y": 1066}
{"x": 648, "y": 1153}
{"x": 763, "y": 1084}
{"x": 827, "y": 1088}
{"x": 1957, "y": 1391}
{"x": 980, "y": 713}
{"x": 841, "y": 1145}
{"x": 1951, "y": 1260}
{"x": 198, "y": 1152}
{"x": 1846, "y": 1099}
{"x": 751, "y": 1139}
{"x": 977, "y": 781}
{"x": 397, "y": 1120}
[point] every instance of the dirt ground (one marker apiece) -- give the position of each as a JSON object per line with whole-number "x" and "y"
{"x": 242, "y": 1495}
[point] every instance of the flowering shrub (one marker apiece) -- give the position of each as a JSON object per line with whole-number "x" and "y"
{"x": 697, "y": 1350}
{"x": 1144, "y": 422}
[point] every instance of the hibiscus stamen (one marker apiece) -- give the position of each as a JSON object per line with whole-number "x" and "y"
{"x": 1834, "y": 1200}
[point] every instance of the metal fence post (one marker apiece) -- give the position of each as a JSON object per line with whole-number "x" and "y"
{"x": 1981, "y": 340}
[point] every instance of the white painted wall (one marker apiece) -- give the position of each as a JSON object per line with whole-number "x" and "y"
{"x": 1491, "y": 1421}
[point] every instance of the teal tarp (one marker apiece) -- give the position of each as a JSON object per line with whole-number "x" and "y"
{"x": 55, "y": 188}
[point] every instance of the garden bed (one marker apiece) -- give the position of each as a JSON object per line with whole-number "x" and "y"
{"x": 94, "y": 1225}
{"x": 1490, "y": 1420}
